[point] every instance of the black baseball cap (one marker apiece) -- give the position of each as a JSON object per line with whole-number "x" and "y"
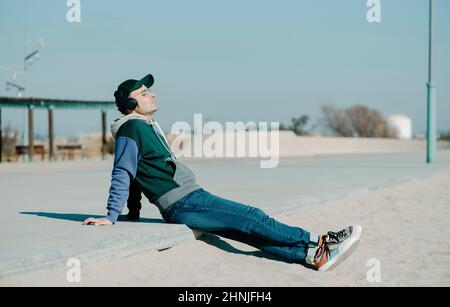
{"x": 126, "y": 87}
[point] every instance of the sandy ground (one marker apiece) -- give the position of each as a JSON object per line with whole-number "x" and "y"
{"x": 406, "y": 234}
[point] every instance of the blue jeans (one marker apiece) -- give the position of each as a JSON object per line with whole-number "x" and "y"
{"x": 205, "y": 211}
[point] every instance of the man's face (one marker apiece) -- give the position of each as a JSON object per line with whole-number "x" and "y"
{"x": 146, "y": 101}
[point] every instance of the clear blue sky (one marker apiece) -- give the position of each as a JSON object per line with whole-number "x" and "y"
{"x": 229, "y": 60}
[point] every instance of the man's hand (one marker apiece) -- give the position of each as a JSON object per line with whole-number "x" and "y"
{"x": 97, "y": 222}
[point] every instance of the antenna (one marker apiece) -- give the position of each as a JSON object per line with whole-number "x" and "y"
{"x": 29, "y": 60}
{"x": 14, "y": 72}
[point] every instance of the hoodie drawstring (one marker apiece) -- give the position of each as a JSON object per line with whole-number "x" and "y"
{"x": 164, "y": 143}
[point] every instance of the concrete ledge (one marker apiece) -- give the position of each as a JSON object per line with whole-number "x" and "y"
{"x": 122, "y": 246}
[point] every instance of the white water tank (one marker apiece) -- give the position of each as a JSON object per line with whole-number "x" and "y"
{"x": 401, "y": 124}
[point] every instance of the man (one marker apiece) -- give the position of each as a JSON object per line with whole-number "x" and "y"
{"x": 144, "y": 162}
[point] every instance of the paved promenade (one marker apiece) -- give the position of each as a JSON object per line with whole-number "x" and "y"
{"x": 43, "y": 204}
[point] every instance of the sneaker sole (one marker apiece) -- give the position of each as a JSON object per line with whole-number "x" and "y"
{"x": 346, "y": 248}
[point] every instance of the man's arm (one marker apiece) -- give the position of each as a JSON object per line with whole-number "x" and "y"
{"x": 126, "y": 158}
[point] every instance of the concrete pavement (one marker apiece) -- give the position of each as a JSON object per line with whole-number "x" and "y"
{"x": 44, "y": 204}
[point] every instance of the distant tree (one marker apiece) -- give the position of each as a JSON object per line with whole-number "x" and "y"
{"x": 358, "y": 121}
{"x": 336, "y": 121}
{"x": 298, "y": 125}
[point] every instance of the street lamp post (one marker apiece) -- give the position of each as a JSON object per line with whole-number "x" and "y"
{"x": 431, "y": 95}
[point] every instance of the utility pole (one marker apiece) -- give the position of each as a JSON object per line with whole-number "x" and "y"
{"x": 1, "y": 137}
{"x": 431, "y": 94}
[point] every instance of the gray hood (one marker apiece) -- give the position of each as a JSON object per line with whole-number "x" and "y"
{"x": 115, "y": 126}
{"x": 122, "y": 120}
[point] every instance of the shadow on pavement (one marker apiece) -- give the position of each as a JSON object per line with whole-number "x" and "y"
{"x": 213, "y": 238}
{"x": 81, "y": 217}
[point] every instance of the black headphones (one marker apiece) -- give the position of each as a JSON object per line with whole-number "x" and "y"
{"x": 123, "y": 105}
{"x": 130, "y": 103}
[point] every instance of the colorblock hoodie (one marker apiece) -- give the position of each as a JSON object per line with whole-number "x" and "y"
{"x": 142, "y": 153}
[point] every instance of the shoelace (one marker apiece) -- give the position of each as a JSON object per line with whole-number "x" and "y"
{"x": 321, "y": 250}
{"x": 339, "y": 236}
